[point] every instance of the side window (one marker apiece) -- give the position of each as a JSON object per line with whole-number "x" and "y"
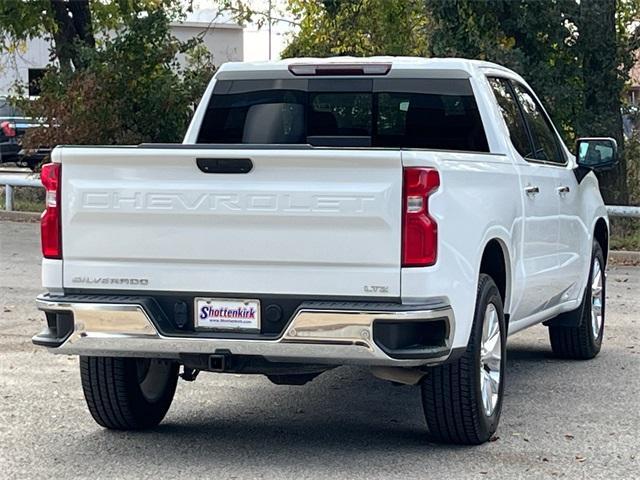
{"x": 547, "y": 145}
{"x": 512, "y": 116}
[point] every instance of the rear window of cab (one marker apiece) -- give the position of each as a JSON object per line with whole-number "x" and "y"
{"x": 439, "y": 114}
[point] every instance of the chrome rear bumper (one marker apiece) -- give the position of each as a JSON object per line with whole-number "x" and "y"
{"x": 332, "y": 336}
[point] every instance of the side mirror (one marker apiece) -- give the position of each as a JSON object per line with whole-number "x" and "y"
{"x": 597, "y": 154}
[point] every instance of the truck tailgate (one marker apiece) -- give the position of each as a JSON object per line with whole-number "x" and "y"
{"x": 303, "y": 221}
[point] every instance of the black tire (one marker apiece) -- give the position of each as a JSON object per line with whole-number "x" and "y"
{"x": 451, "y": 393}
{"x": 128, "y": 393}
{"x": 581, "y": 342}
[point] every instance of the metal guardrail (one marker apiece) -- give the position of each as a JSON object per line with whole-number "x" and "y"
{"x": 10, "y": 181}
{"x": 621, "y": 211}
{"x": 33, "y": 180}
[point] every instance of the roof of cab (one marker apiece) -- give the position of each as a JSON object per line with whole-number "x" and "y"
{"x": 402, "y": 63}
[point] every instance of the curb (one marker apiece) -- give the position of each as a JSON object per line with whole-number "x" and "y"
{"x": 23, "y": 217}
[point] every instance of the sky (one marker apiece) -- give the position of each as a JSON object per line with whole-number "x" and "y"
{"x": 256, "y": 40}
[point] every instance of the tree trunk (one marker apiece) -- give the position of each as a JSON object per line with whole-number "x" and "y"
{"x": 602, "y": 116}
{"x": 73, "y": 31}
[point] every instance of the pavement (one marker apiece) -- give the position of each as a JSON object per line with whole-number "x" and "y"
{"x": 561, "y": 419}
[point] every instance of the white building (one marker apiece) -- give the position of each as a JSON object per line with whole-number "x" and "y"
{"x": 225, "y": 41}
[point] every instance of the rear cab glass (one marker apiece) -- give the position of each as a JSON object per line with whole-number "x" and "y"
{"x": 428, "y": 113}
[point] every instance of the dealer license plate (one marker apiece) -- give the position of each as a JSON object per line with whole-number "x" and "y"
{"x": 227, "y": 314}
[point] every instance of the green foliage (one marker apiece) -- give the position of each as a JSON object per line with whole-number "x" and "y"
{"x": 70, "y": 25}
{"x": 632, "y": 153}
{"x": 628, "y": 44}
{"x": 600, "y": 49}
{"x": 25, "y": 199}
{"x": 132, "y": 90}
{"x": 536, "y": 39}
{"x": 576, "y": 55}
{"x": 358, "y": 27}
{"x": 625, "y": 239}
{"x": 25, "y": 19}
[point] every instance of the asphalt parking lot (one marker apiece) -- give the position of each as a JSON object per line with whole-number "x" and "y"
{"x": 561, "y": 419}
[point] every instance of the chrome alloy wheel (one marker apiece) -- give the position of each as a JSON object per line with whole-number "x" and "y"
{"x": 597, "y": 297}
{"x": 490, "y": 360}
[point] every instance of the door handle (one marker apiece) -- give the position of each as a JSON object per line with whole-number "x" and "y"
{"x": 563, "y": 190}
{"x": 224, "y": 165}
{"x": 532, "y": 190}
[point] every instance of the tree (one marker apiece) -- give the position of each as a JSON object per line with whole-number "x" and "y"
{"x": 69, "y": 24}
{"x": 344, "y": 27}
{"x": 358, "y": 27}
{"x": 602, "y": 86}
{"x": 149, "y": 97}
{"x": 539, "y": 43}
{"x": 73, "y": 31}
{"x": 576, "y": 55}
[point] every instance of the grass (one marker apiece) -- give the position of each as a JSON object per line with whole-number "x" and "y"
{"x": 628, "y": 239}
{"x": 25, "y": 199}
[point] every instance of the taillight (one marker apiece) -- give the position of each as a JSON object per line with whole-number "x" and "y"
{"x": 419, "y": 230}
{"x": 8, "y": 129}
{"x": 50, "y": 223}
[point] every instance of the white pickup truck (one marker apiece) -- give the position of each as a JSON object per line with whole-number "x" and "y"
{"x": 398, "y": 213}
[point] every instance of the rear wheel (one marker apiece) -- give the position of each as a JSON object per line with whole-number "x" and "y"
{"x": 462, "y": 400}
{"x": 584, "y": 341}
{"x": 128, "y": 393}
